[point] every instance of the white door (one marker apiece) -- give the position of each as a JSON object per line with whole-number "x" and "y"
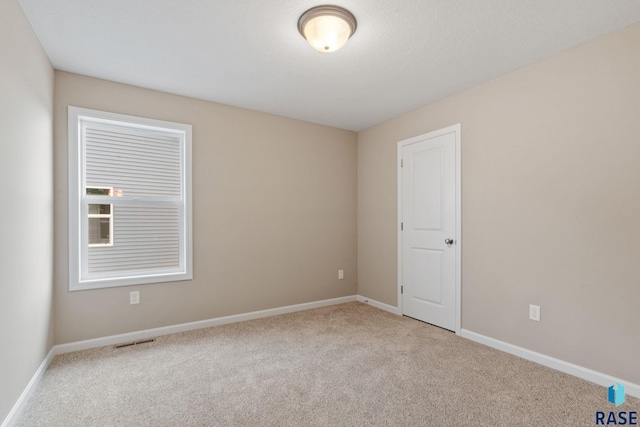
{"x": 429, "y": 236}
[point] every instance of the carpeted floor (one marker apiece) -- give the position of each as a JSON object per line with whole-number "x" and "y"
{"x": 345, "y": 365}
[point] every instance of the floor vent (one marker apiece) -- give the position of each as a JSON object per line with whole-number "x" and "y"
{"x": 129, "y": 344}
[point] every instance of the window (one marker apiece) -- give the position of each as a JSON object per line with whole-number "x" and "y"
{"x": 100, "y": 226}
{"x": 129, "y": 200}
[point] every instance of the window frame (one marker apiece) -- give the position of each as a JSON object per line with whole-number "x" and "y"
{"x": 78, "y": 202}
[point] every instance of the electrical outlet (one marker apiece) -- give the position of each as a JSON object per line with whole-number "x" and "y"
{"x": 534, "y": 312}
{"x": 134, "y": 297}
{"x": 340, "y": 274}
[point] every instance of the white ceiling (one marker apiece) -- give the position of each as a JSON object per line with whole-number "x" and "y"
{"x": 248, "y": 53}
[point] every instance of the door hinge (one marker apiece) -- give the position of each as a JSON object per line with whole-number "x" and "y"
{"x": 401, "y": 163}
{"x": 402, "y": 289}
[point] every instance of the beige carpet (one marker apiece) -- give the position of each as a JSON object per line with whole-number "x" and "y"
{"x": 345, "y": 365}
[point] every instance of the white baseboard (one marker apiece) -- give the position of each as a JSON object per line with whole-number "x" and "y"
{"x": 24, "y": 397}
{"x": 183, "y": 327}
{"x": 380, "y": 305}
{"x": 551, "y": 362}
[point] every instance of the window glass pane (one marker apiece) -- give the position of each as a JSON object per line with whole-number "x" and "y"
{"x": 135, "y": 162}
{"x": 145, "y": 238}
{"x": 98, "y": 191}
{"x": 99, "y": 229}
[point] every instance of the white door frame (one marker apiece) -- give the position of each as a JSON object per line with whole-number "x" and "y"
{"x": 458, "y": 237}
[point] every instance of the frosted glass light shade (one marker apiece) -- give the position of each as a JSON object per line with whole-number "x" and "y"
{"x": 327, "y": 28}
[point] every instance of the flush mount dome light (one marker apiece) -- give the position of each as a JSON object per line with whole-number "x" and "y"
{"x": 327, "y": 28}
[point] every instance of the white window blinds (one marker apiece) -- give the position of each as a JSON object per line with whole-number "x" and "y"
{"x": 146, "y": 166}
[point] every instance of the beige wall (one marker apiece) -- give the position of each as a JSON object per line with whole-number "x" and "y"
{"x": 26, "y": 204}
{"x": 274, "y": 210}
{"x": 550, "y": 204}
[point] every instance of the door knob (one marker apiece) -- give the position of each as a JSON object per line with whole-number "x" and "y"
{"x": 448, "y": 242}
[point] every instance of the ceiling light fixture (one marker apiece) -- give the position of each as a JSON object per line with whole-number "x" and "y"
{"x": 327, "y": 28}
